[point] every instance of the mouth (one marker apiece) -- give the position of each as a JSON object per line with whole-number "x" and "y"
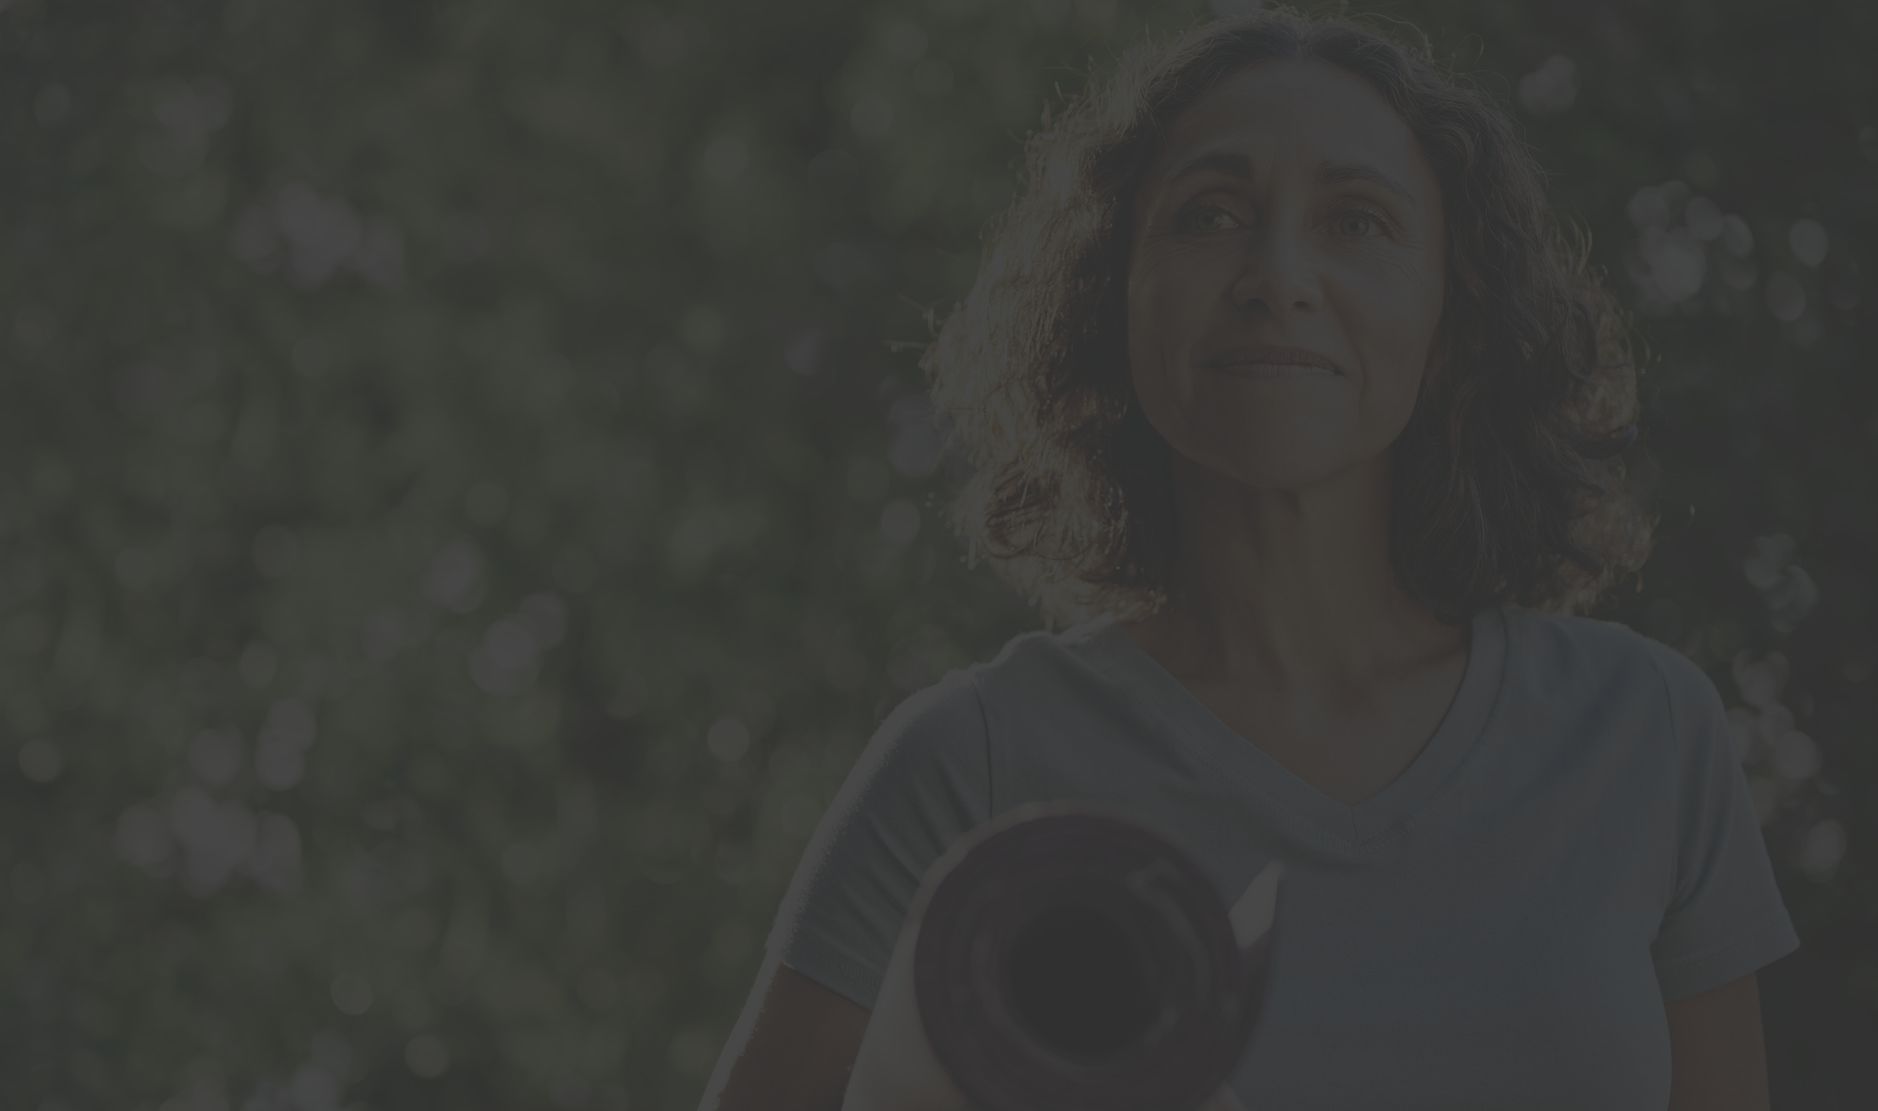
{"x": 1275, "y": 371}
{"x": 1266, "y": 360}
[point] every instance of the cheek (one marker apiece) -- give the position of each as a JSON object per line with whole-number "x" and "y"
{"x": 1399, "y": 318}
{"x": 1144, "y": 326}
{"x": 1144, "y": 287}
{"x": 1161, "y": 305}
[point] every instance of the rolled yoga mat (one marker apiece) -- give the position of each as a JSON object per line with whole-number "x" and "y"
{"x": 1071, "y": 958}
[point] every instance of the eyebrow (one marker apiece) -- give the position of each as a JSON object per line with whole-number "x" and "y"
{"x": 1328, "y": 173}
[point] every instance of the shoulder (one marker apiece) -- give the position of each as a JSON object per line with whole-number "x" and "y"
{"x": 925, "y": 771}
{"x": 943, "y": 721}
{"x": 1030, "y": 661}
{"x": 1624, "y": 672}
{"x": 1600, "y": 654}
{"x": 953, "y": 719}
{"x": 1024, "y": 668}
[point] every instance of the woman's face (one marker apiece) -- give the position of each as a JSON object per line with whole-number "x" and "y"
{"x": 1260, "y": 222}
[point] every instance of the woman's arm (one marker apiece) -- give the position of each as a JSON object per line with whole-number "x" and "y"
{"x": 791, "y": 1049}
{"x": 1718, "y": 1055}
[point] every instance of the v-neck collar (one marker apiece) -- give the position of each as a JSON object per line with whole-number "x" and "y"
{"x": 1310, "y": 813}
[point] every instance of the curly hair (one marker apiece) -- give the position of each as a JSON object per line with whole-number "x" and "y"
{"x": 1508, "y": 483}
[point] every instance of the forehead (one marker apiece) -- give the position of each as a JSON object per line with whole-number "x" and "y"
{"x": 1289, "y": 117}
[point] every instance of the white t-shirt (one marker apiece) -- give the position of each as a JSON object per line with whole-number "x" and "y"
{"x": 1497, "y": 928}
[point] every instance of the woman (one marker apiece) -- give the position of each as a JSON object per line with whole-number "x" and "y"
{"x": 1291, "y": 411}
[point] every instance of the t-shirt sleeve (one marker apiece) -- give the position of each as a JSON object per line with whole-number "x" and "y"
{"x": 922, "y": 781}
{"x": 1725, "y": 917}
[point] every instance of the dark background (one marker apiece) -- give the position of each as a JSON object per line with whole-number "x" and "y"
{"x": 466, "y": 496}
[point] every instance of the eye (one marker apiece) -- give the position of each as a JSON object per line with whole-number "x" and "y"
{"x": 1201, "y": 216}
{"x": 1350, "y": 214}
{"x": 1196, "y": 216}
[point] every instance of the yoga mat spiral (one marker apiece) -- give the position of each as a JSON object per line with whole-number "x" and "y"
{"x": 1071, "y": 958}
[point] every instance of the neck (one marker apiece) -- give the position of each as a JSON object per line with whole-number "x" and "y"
{"x": 1291, "y": 594}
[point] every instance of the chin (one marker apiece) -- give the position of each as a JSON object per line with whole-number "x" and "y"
{"x": 1277, "y": 470}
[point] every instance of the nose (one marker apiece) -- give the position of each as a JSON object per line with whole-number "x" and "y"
{"x": 1276, "y": 270}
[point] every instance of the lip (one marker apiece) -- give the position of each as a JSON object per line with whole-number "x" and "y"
{"x": 1276, "y": 372}
{"x": 1252, "y": 355}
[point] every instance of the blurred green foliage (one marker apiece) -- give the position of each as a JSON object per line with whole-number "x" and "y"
{"x": 468, "y": 495}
